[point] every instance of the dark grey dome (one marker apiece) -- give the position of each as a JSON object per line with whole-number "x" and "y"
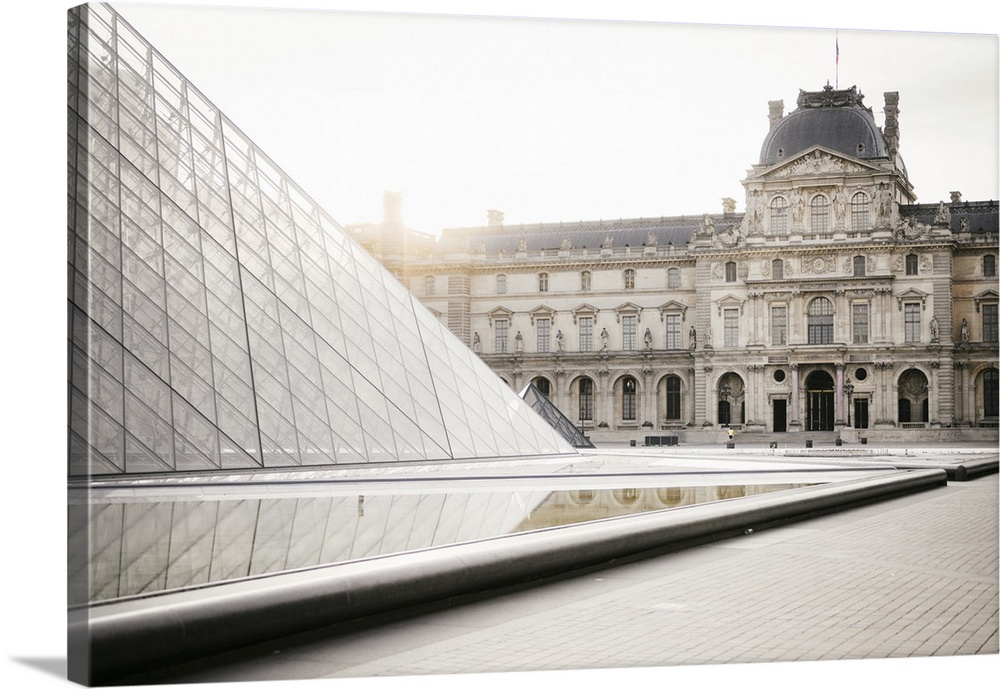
{"x": 837, "y": 120}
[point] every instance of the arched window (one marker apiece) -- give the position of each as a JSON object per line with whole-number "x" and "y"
{"x": 673, "y": 278}
{"x": 991, "y": 403}
{"x": 731, "y": 271}
{"x": 820, "y": 214}
{"x": 628, "y": 399}
{"x": 585, "y": 281}
{"x": 989, "y": 266}
{"x": 543, "y": 282}
{"x": 501, "y": 284}
{"x": 859, "y": 266}
{"x": 543, "y": 385}
{"x": 779, "y": 215}
{"x": 629, "y": 278}
{"x": 778, "y": 269}
{"x": 586, "y": 399}
{"x": 820, "y": 321}
{"x": 859, "y": 212}
{"x": 673, "y": 401}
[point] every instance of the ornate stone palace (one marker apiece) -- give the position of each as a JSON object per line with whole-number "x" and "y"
{"x": 834, "y": 303}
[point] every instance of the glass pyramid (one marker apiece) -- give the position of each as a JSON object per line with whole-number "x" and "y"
{"x": 220, "y": 320}
{"x": 548, "y": 411}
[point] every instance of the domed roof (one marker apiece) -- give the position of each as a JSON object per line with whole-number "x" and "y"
{"x": 837, "y": 120}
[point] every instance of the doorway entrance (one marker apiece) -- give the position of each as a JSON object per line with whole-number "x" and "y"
{"x": 780, "y": 422}
{"x": 819, "y": 401}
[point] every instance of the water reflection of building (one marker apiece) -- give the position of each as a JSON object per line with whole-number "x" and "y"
{"x": 572, "y": 506}
{"x": 833, "y": 302}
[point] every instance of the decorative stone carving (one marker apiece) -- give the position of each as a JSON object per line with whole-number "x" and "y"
{"x": 706, "y": 228}
{"x": 943, "y": 215}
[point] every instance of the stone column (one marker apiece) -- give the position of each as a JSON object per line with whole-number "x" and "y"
{"x": 933, "y": 399}
{"x": 794, "y": 411}
{"x": 957, "y": 395}
{"x": 970, "y": 397}
{"x": 838, "y": 396}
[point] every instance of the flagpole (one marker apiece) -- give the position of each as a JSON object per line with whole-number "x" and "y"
{"x": 837, "y": 60}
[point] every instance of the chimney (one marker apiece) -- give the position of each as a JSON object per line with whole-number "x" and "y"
{"x": 892, "y": 121}
{"x": 495, "y": 218}
{"x": 776, "y": 110}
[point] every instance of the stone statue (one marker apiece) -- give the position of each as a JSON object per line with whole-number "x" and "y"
{"x": 604, "y": 339}
{"x": 798, "y": 210}
{"x": 943, "y": 215}
{"x": 648, "y": 339}
{"x": 476, "y": 346}
{"x": 522, "y": 245}
{"x": 566, "y": 244}
{"x": 651, "y": 239}
{"x": 840, "y": 206}
{"x": 708, "y": 336}
{"x": 964, "y": 331}
{"x": 560, "y": 341}
{"x": 692, "y": 338}
{"x": 608, "y": 242}
{"x": 518, "y": 342}
{"x": 934, "y": 329}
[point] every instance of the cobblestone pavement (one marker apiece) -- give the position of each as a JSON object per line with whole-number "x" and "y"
{"x": 911, "y": 577}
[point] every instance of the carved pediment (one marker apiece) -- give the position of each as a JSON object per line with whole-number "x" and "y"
{"x": 628, "y": 308}
{"x": 730, "y": 301}
{"x": 988, "y": 296}
{"x": 584, "y": 310}
{"x": 817, "y": 161}
{"x": 499, "y": 313}
{"x": 912, "y": 295}
{"x": 541, "y": 312}
{"x": 673, "y": 306}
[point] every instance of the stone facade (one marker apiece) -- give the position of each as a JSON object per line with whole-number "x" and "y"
{"x": 833, "y": 303}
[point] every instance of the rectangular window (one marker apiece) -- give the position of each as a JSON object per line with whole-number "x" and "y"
{"x": 779, "y": 325}
{"x": 860, "y": 323}
{"x": 543, "y": 282}
{"x": 500, "y": 329}
{"x": 673, "y": 331}
{"x": 673, "y": 412}
{"x": 586, "y": 399}
{"x": 586, "y": 334}
{"x": 989, "y": 322}
{"x": 628, "y": 333}
{"x": 544, "y": 328}
{"x": 731, "y": 327}
{"x": 673, "y": 278}
{"x": 911, "y": 322}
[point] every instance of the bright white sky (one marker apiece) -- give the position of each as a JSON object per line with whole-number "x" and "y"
{"x": 562, "y": 120}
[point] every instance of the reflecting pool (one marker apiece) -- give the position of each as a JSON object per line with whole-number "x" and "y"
{"x": 144, "y": 543}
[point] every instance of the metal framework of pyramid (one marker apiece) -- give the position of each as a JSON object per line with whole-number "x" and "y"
{"x": 220, "y": 320}
{"x": 543, "y": 407}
